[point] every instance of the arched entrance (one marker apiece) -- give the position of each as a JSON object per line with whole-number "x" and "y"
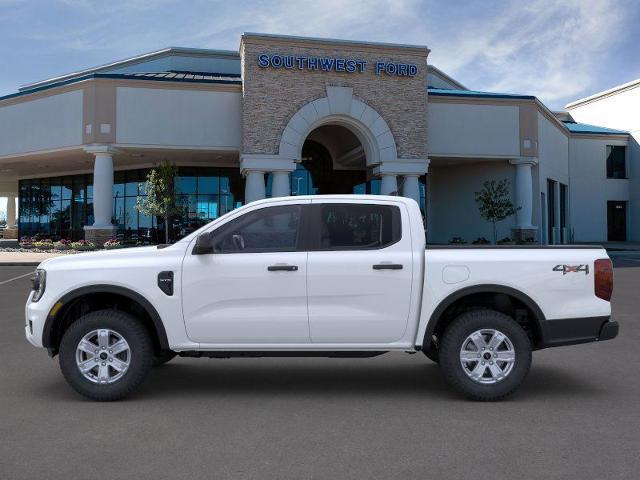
{"x": 334, "y": 144}
{"x": 335, "y": 160}
{"x": 332, "y": 161}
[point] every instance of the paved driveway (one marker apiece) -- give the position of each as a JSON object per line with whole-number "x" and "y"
{"x": 577, "y": 416}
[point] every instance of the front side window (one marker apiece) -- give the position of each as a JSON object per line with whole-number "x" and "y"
{"x": 271, "y": 229}
{"x": 358, "y": 226}
{"x": 616, "y": 165}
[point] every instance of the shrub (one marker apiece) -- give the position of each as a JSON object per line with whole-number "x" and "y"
{"x": 62, "y": 244}
{"x": 26, "y": 242}
{"x": 481, "y": 241}
{"x": 457, "y": 241}
{"x": 112, "y": 244}
{"x": 83, "y": 245}
{"x": 46, "y": 244}
{"x": 506, "y": 241}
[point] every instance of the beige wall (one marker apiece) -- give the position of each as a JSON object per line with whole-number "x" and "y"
{"x": 272, "y": 96}
{"x": 46, "y": 123}
{"x": 171, "y": 117}
{"x": 473, "y": 129}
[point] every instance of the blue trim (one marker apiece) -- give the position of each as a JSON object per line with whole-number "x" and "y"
{"x": 121, "y": 76}
{"x": 585, "y": 128}
{"x": 444, "y": 92}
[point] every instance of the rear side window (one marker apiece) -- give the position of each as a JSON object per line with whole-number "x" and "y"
{"x": 349, "y": 226}
{"x": 271, "y": 229}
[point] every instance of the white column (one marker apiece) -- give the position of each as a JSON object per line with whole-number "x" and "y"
{"x": 11, "y": 212}
{"x": 524, "y": 193}
{"x": 389, "y": 184}
{"x": 103, "y": 189}
{"x": 280, "y": 187}
{"x": 411, "y": 187}
{"x": 254, "y": 186}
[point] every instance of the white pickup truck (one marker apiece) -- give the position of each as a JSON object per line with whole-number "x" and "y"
{"x": 330, "y": 276}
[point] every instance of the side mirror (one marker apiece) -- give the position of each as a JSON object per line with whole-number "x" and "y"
{"x": 204, "y": 244}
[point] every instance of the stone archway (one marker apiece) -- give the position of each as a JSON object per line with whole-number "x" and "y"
{"x": 339, "y": 107}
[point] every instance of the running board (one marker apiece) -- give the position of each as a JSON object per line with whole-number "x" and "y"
{"x": 284, "y": 353}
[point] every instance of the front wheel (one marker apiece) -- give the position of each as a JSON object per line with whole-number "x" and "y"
{"x": 485, "y": 355}
{"x": 105, "y": 355}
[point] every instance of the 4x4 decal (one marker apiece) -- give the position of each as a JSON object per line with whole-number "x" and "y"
{"x": 571, "y": 268}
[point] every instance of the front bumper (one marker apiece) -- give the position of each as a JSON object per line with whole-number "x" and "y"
{"x": 35, "y": 315}
{"x": 571, "y": 331}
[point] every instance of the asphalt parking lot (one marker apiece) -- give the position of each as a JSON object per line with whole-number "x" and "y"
{"x": 577, "y": 415}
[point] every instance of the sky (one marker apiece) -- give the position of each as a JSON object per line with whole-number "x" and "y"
{"x": 557, "y": 50}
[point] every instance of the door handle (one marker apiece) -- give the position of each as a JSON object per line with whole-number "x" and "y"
{"x": 282, "y": 268}
{"x": 387, "y": 266}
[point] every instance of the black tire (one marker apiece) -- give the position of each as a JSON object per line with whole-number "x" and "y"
{"x": 432, "y": 353}
{"x": 140, "y": 361}
{"x": 163, "y": 357}
{"x": 452, "y": 342}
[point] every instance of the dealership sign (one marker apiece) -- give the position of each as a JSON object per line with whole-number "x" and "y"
{"x": 334, "y": 64}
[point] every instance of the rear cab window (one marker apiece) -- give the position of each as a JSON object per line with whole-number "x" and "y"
{"x": 355, "y": 226}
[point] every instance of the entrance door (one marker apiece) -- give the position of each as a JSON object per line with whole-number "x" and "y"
{"x": 617, "y": 221}
{"x": 360, "y": 273}
{"x": 252, "y": 288}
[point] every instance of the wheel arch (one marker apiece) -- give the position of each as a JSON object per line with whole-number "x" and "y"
{"x": 51, "y": 335}
{"x": 474, "y": 291}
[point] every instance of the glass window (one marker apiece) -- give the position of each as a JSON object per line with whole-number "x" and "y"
{"x": 616, "y": 167}
{"x": 118, "y": 184}
{"x": 186, "y": 184}
{"x": 358, "y": 226}
{"x": 272, "y": 229}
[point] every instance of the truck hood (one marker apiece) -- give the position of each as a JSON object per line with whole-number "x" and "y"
{"x": 107, "y": 257}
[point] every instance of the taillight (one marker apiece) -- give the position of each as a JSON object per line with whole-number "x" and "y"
{"x": 603, "y": 278}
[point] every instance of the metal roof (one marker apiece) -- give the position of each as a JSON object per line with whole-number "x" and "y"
{"x": 585, "y": 128}
{"x": 135, "y": 60}
{"x": 444, "y": 92}
{"x": 187, "y": 77}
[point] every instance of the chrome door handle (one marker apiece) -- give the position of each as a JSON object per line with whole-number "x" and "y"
{"x": 282, "y": 268}
{"x": 387, "y": 266}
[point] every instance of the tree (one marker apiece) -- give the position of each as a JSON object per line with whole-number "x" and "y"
{"x": 160, "y": 199}
{"x": 494, "y": 203}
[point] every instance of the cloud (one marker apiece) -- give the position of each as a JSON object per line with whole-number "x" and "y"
{"x": 557, "y": 50}
{"x": 550, "y": 49}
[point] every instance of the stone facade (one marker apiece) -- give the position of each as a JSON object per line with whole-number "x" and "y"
{"x": 272, "y": 96}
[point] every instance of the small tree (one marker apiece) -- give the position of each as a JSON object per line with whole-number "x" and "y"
{"x": 494, "y": 203}
{"x": 160, "y": 200}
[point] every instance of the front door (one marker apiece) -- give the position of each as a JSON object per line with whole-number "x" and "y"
{"x": 252, "y": 288}
{"x": 359, "y": 272}
{"x": 617, "y": 221}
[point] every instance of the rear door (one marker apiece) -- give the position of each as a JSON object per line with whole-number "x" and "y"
{"x": 359, "y": 272}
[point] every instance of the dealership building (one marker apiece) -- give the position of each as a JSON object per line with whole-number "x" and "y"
{"x": 294, "y": 116}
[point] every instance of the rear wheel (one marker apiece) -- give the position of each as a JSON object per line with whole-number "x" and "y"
{"x": 485, "y": 354}
{"x": 105, "y": 355}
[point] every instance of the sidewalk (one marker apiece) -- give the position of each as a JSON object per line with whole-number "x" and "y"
{"x": 24, "y": 259}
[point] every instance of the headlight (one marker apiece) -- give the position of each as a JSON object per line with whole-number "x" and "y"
{"x": 39, "y": 282}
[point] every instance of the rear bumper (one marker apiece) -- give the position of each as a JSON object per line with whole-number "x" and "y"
{"x": 571, "y": 331}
